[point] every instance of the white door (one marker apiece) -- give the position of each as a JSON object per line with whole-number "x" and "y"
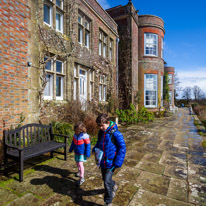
{"x": 83, "y": 87}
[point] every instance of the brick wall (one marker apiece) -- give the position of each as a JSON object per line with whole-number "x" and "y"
{"x": 14, "y": 80}
{"x": 149, "y": 64}
{"x": 97, "y": 7}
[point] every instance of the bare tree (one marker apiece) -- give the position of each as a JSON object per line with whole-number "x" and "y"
{"x": 187, "y": 93}
{"x": 197, "y": 92}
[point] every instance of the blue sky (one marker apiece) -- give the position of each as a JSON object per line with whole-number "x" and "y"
{"x": 185, "y": 35}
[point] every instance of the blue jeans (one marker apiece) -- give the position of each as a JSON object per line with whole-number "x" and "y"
{"x": 108, "y": 184}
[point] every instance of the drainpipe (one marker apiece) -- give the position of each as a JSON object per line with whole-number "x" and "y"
{"x": 117, "y": 67}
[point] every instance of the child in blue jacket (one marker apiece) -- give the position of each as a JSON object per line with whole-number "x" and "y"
{"x": 81, "y": 146}
{"x": 111, "y": 143}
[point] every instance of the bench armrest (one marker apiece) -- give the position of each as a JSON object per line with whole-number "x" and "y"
{"x": 61, "y": 135}
{"x": 14, "y": 147}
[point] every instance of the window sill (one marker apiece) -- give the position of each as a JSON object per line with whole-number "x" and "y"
{"x": 151, "y": 56}
{"x": 59, "y": 98}
{"x": 49, "y": 25}
{"x": 48, "y": 98}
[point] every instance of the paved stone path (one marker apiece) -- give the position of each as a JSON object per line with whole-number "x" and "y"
{"x": 164, "y": 166}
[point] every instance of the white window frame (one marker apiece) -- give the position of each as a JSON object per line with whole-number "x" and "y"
{"x": 61, "y": 4}
{"x": 91, "y": 85}
{"x": 102, "y": 88}
{"x": 152, "y": 90}
{"x": 60, "y": 21}
{"x": 171, "y": 96}
{"x": 53, "y": 72}
{"x": 162, "y": 47}
{"x": 148, "y": 42}
{"x": 170, "y": 76}
{"x": 103, "y": 44}
{"x": 50, "y": 85}
{"x": 61, "y": 83}
{"x": 76, "y": 79}
{"x": 111, "y": 42}
{"x": 84, "y": 30}
{"x": 162, "y": 91}
{"x": 59, "y": 74}
{"x": 50, "y": 14}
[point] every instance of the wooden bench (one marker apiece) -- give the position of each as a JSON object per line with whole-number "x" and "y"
{"x": 29, "y": 141}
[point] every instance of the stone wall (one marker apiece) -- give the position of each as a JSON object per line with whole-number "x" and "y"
{"x": 127, "y": 19}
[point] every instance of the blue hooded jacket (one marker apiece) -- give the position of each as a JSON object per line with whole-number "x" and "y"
{"x": 81, "y": 144}
{"x": 113, "y": 151}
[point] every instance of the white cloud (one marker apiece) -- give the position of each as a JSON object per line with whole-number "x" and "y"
{"x": 104, "y": 4}
{"x": 191, "y": 78}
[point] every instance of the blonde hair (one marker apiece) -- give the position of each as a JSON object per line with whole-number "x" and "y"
{"x": 80, "y": 127}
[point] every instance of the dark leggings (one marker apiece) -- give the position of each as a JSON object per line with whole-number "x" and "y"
{"x": 108, "y": 184}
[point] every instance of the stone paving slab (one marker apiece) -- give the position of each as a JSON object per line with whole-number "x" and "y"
{"x": 164, "y": 166}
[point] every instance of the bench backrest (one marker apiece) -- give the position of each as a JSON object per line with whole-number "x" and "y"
{"x": 28, "y": 135}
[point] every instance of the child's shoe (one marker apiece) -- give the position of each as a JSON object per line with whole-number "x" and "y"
{"x": 81, "y": 181}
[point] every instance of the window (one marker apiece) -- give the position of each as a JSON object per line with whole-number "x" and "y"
{"x": 102, "y": 88}
{"x": 169, "y": 78}
{"x": 102, "y": 44}
{"x": 170, "y": 100}
{"x": 91, "y": 85}
{"x": 111, "y": 49}
{"x": 59, "y": 21}
{"x": 80, "y": 84}
{"x": 59, "y": 3}
{"x": 150, "y": 90}
{"x": 162, "y": 47}
{"x": 161, "y": 91}
{"x": 48, "y": 91}
{"x": 49, "y": 14}
{"x": 150, "y": 44}
{"x": 59, "y": 80}
{"x": 75, "y": 82}
{"x": 84, "y": 25}
{"x": 55, "y": 77}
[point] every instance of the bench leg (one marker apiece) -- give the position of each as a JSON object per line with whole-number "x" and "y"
{"x": 51, "y": 154}
{"x": 21, "y": 166}
{"x": 65, "y": 153}
{"x": 5, "y": 165}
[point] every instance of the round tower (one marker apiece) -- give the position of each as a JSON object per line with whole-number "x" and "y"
{"x": 151, "y": 63}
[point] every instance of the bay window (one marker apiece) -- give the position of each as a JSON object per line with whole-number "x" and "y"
{"x": 150, "y": 44}
{"x": 169, "y": 78}
{"x": 150, "y": 90}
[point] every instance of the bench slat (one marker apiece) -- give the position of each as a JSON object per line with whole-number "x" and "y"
{"x": 34, "y": 135}
{"x": 39, "y": 149}
{"x": 31, "y": 135}
{"x": 23, "y": 138}
{"x": 27, "y": 135}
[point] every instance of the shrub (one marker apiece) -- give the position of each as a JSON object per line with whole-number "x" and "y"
{"x": 63, "y": 128}
{"x": 90, "y": 123}
{"x": 130, "y": 115}
{"x": 145, "y": 116}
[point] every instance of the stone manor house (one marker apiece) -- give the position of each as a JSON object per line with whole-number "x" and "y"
{"x": 62, "y": 50}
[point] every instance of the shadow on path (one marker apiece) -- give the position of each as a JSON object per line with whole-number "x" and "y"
{"x": 65, "y": 185}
